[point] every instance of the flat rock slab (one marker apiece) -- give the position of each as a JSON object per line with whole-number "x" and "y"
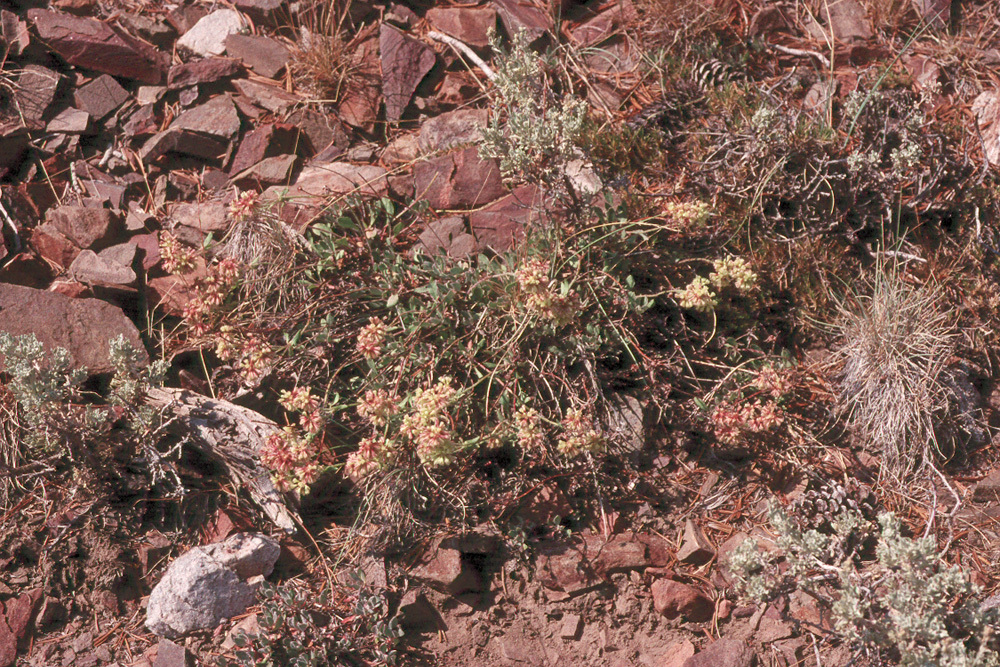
{"x": 218, "y": 117}
{"x": 91, "y": 44}
{"x": 83, "y": 327}
{"x": 458, "y": 180}
{"x": 101, "y": 96}
{"x": 461, "y": 126}
{"x": 469, "y": 24}
{"x": 317, "y": 184}
{"x": 36, "y": 90}
{"x": 405, "y": 62}
{"x": 263, "y": 55}
{"x": 207, "y": 70}
{"x": 209, "y": 584}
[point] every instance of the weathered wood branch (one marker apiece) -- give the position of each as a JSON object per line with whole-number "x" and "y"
{"x": 231, "y": 435}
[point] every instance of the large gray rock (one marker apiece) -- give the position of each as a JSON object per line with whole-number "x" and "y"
{"x": 81, "y": 326}
{"x": 209, "y": 584}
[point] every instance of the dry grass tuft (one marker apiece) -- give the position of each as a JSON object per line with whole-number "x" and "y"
{"x": 895, "y": 345}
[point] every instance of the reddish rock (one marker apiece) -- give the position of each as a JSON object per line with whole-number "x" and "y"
{"x": 206, "y": 70}
{"x": 78, "y": 7}
{"x": 544, "y": 505}
{"x": 13, "y": 33}
{"x": 695, "y": 548}
{"x": 566, "y": 567}
{"x": 70, "y": 121}
{"x": 86, "y": 227}
{"x": 100, "y": 97}
{"x": 417, "y": 614}
{"x": 469, "y": 24}
{"x": 677, "y": 654}
{"x": 36, "y": 89}
{"x": 269, "y": 140}
{"x": 446, "y": 570}
{"x": 269, "y": 171}
{"x": 173, "y": 292}
{"x": 82, "y": 326}
{"x": 27, "y": 269}
{"x": 154, "y": 30}
{"x": 605, "y": 24}
{"x": 268, "y": 97}
{"x": 458, "y": 180}
{"x": 319, "y": 130}
{"x": 262, "y": 11}
{"x": 723, "y": 653}
{"x": 500, "y": 226}
{"x": 169, "y": 654}
{"x": 673, "y": 598}
{"x": 8, "y": 645}
{"x": 91, "y": 44}
{"x": 363, "y": 94}
{"x": 175, "y": 140}
{"x": 104, "y": 269}
{"x": 619, "y": 554}
{"x": 13, "y": 145}
{"x": 517, "y": 16}
{"x": 405, "y": 62}
{"x": 571, "y": 626}
{"x": 317, "y": 183}
{"x": 263, "y": 55}
{"x": 53, "y": 246}
{"x": 462, "y": 126}
{"x": 217, "y": 117}
{"x": 440, "y": 235}
{"x": 210, "y": 216}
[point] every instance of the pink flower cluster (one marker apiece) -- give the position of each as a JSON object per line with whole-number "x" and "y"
{"x": 730, "y": 421}
{"x": 211, "y": 291}
{"x": 244, "y": 204}
{"x": 251, "y": 352}
{"x": 541, "y": 296}
{"x": 292, "y": 458}
{"x": 373, "y": 454}
{"x": 302, "y": 401}
{"x": 176, "y": 258}
{"x": 529, "y": 429}
{"x": 429, "y": 425}
{"x": 579, "y": 435}
{"x": 773, "y": 382}
{"x": 371, "y": 338}
{"x": 377, "y": 406}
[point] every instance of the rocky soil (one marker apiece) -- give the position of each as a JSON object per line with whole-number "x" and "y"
{"x": 124, "y": 122}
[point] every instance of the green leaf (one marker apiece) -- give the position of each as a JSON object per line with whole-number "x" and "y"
{"x": 208, "y": 240}
{"x": 392, "y": 301}
{"x": 702, "y": 405}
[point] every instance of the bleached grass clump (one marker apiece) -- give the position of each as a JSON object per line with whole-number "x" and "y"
{"x": 895, "y": 343}
{"x": 908, "y": 607}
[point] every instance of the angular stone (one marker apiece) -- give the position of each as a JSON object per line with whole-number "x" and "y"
{"x": 723, "y": 653}
{"x": 405, "y": 62}
{"x": 459, "y": 179}
{"x": 605, "y": 24}
{"x": 169, "y": 654}
{"x": 677, "y": 654}
{"x": 83, "y": 327}
{"x": 446, "y": 570}
{"x": 673, "y": 598}
{"x": 269, "y": 171}
{"x": 89, "y": 268}
{"x": 53, "y": 246}
{"x": 207, "y": 37}
{"x": 175, "y": 140}
{"x": 13, "y": 145}
{"x": 154, "y": 31}
{"x": 320, "y": 129}
{"x": 14, "y": 36}
{"x": 695, "y": 548}
{"x": 571, "y": 626}
{"x": 517, "y": 15}
{"x": 454, "y": 128}
{"x": 261, "y": 11}
{"x": 263, "y": 55}
{"x": 210, "y": 216}
{"x": 363, "y": 94}
{"x": 439, "y": 235}
{"x": 210, "y": 584}
{"x": 217, "y": 117}
{"x": 500, "y": 226}
{"x": 469, "y": 24}
{"x": 91, "y": 44}
{"x": 100, "y": 97}
{"x": 36, "y": 90}
{"x": 85, "y": 227}
{"x": 207, "y": 70}
{"x": 149, "y": 94}
{"x": 272, "y": 98}
{"x": 317, "y": 183}
{"x": 269, "y": 140}
{"x": 70, "y": 121}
